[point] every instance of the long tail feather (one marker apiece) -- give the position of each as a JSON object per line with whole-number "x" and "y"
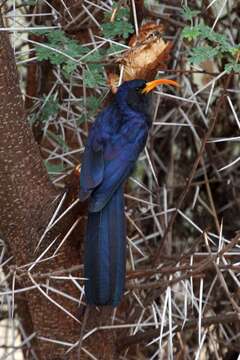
{"x": 105, "y": 253}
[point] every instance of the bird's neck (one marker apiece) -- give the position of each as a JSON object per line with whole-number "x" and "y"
{"x": 129, "y": 114}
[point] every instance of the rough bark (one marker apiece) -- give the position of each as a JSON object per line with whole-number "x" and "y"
{"x": 27, "y": 202}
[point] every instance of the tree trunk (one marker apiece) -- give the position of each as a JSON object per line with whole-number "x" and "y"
{"x": 27, "y": 203}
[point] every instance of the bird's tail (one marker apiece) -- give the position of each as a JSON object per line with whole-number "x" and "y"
{"x": 105, "y": 253}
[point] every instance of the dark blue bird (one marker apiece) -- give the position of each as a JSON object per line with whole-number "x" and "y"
{"x": 114, "y": 143}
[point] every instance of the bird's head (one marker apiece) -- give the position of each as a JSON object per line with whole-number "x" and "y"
{"x": 136, "y": 94}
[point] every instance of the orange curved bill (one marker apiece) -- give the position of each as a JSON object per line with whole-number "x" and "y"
{"x": 152, "y": 84}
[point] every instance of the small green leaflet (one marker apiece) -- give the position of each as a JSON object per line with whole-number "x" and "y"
{"x": 188, "y": 14}
{"x": 232, "y": 66}
{"x": 117, "y": 28}
{"x": 190, "y": 33}
{"x": 212, "y": 44}
{"x": 54, "y": 168}
{"x": 58, "y": 139}
{"x": 59, "y": 48}
{"x": 121, "y": 25}
{"x": 122, "y": 12}
{"x": 93, "y": 76}
{"x": 50, "y": 108}
{"x": 93, "y": 103}
{"x": 202, "y": 53}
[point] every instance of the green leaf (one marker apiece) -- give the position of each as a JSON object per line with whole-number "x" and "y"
{"x": 232, "y": 66}
{"x": 75, "y": 50}
{"x": 122, "y": 12}
{"x": 216, "y": 44}
{"x": 69, "y": 67}
{"x": 56, "y": 37}
{"x": 188, "y": 14}
{"x": 93, "y": 57}
{"x": 81, "y": 119}
{"x": 204, "y": 30}
{"x": 42, "y": 53}
{"x": 120, "y": 26}
{"x": 50, "y": 108}
{"x": 54, "y": 168}
{"x": 58, "y": 41}
{"x": 39, "y": 31}
{"x": 93, "y": 76}
{"x": 93, "y": 103}
{"x": 117, "y": 28}
{"x": 58, "y": 139}
{"x": 54, "y": 57}
{"x": 191, "y": 33}
{"x": 202, "y": 53}
{"x": 115, "y": 48}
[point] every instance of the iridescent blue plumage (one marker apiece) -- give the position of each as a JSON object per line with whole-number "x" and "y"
{"x": 114, "y": 143}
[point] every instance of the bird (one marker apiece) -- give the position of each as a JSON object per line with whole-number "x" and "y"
{"x": 114, "y": 142}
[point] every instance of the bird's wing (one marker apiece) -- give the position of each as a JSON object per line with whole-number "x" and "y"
{"x": 119, "y": 158}
{"x": 92, "y": 169}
